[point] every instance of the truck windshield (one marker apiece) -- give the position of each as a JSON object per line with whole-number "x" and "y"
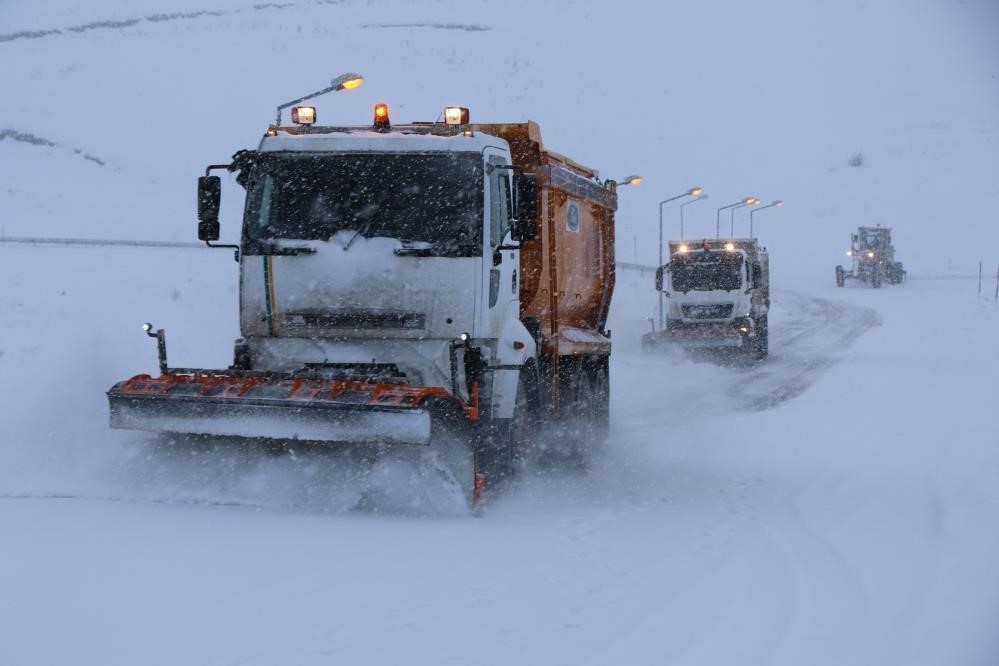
{"x": 433, "y": 198}
{"x": 706, "y": 271}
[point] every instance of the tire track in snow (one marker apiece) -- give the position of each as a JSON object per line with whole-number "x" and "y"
{"x": 828, "y": 591}
{"x": 818, "y": 332}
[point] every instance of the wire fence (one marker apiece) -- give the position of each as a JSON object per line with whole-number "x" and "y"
{"x": 981, "y": 279}
{"x": 100, "y": 242}
{"x": 104, "y": 242}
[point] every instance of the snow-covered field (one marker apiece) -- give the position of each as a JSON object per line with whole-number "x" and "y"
{"x": 836, "y": 504}
{"x": 833, "y": 505}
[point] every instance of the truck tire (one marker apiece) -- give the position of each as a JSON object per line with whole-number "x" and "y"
{"x": 761, "y": 348}
{"x": 598, "y": 369}
{"x": 456, "y": 443}
{"x": 876, "y": 277}
{"x": 502, "y": 442}
{"x": 586, "y": 410}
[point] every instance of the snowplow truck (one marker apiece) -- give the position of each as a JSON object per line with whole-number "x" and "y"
{"x": 718, "y": 295}
{"x": 398, "y": 281}
{"x": 873, "y": 258}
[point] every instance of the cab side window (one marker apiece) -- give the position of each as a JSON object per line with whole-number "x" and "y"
{"x": 499, "y": 203}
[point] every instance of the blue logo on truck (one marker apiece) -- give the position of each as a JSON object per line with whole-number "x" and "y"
{"x": 572, "y": 221}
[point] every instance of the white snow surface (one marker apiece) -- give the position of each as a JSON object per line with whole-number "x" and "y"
{"x": 835, "y": 504}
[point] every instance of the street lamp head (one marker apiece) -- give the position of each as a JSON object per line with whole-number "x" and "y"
{"x": 347, "y": 81}
{"x": 630, "y": 180}
{"x": 777, "y": 203}
{"x": 750, "y": 201}
{"x": 694, "y": 191}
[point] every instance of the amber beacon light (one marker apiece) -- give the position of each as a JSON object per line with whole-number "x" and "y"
{"x": 382, "y": 116}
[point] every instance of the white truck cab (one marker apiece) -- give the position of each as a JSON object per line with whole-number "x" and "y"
{"x": 718, "y": 294}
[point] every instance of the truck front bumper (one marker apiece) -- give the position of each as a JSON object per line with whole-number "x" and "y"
{"x": 700, "y": 335}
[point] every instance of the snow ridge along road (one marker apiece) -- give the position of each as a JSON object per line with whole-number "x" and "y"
{"x": 808, "y": 335}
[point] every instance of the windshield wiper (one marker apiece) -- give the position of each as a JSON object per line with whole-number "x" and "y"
{"x": 414, "y": 252}
{"x": 362, "y": 228}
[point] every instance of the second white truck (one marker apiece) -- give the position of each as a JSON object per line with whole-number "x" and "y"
{"x": 718, "y": 294}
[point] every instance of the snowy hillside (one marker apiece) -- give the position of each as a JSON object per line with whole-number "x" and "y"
{"x": 834, "y": 505}
{"x": 769, "y": 100}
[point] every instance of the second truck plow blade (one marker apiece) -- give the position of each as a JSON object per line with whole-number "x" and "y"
{"x": 271, "y": 407}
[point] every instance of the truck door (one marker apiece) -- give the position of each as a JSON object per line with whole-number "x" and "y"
{"x": 501, "y": 256}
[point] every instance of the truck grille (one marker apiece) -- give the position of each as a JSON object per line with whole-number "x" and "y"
{"x": 716, "y": 311}
{"x": 356, "y": 320}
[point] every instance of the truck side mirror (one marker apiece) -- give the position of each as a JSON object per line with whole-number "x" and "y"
{"x": 524, "y": 225}
{"x": 209, "y": 199}
{"x": 659, "y": 279}
{"x": 757, "y": 275}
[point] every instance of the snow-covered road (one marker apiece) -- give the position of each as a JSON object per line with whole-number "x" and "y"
{"x": 833, "y": 505}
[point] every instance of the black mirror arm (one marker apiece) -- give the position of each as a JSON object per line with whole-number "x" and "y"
{"x": 213, "y": 167}
{"x": 235, "y": 248}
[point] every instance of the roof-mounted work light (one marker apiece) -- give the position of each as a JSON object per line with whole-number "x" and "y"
{"x": 455, "y": 115}
{"x": 303, "y": 115}
{"x": 382, "y": 117}
{"x": 342, "y": 82}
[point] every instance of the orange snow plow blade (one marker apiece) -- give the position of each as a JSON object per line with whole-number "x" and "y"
{"x": 273, "y": 406}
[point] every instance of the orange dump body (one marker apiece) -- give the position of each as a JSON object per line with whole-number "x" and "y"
{"x": 567, "y": 273}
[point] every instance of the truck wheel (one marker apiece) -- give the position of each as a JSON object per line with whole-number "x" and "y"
{"x": 761, "y": 348}
{"x": 840, "y": 276}
{"x": 526, "y": 414}
{"x": 502, "y": 442}
{"x": 876, "y": 277}
{"x": 599, "y": 376}
{"x": 455, "y": 443}
{"x": 586, "y": 408}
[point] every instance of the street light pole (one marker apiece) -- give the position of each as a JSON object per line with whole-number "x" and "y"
{"x": 692, "y": 192}
{"x": 731, "y": 219}
{"x": 749, "y": 202}
{"x": 742, "y": 202}
{"x": 777, "y": 203}
{"x": 684, "y": 205}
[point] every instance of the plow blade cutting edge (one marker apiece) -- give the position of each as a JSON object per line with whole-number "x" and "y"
{"x": 284, "y": 409}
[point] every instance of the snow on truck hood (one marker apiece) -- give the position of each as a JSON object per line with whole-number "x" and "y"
{"x": 364, "y": 140}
